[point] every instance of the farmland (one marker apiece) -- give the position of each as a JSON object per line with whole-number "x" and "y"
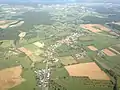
{"x": 69, "y": 60}
{"x": 11, "y": 81}
{"x": 75, "y": 70}
{"x": 60, "y": 47}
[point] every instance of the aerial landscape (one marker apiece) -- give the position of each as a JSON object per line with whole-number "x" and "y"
{"x": 59, "y": 45}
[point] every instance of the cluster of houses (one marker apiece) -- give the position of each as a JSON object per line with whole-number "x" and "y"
{"x": 71, "y": 39}
{"x": 42, "y": 77}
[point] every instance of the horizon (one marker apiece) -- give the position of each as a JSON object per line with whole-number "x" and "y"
{"x": 59, "y": 1}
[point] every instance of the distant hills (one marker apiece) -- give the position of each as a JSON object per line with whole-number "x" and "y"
{"x": 59, "y": 1}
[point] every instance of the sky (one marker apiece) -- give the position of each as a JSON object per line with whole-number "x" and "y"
{"x": 87, "y": 1}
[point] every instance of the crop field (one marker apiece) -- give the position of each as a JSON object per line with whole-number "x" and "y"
{"x": 116, "y": 47}
{"x": 70, "y": 83}
{"x": 86, "y": 39}
{"x": 10, "y": 77}
{"x": 34, "y": 56}
{"x": 69, "y": 60}
{"x": 84, "y": 60}
{"x": 83, "y": 83}
{"x": 92, "y": 48}
{"x": 111, "y": 62}
{"x": 31, "y": 47}
{"x": 108, "y": 52}
{"x": 26, "y": 51}
{"x": 90, "y": 70}
{"x": 96, "y": 28}
{"x": 36, "y": 52}
{"x": 100, "y": 41}
{"x": 27, "y": 72}
{"x": 6, "y": 43}
{"x": 112, "y": 49}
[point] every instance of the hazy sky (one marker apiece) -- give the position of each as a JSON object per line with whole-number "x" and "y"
{"x": 112, "y": 1}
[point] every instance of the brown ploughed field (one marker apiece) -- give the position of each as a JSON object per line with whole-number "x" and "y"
{"x": 10, "y": 77}
{"x": 90, "y": 70}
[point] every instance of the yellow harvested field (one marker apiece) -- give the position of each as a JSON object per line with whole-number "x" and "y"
{"x": 90, "y": 70}
{"x": 114, "y": 50}
{"x": 92, "y": 48}
{"x": 108, "y": 52}
{"x": 38, "y": 44}
{"x": 68, "y": 60}
{"x": 10, "y": 77}
{"x": 92, "y": 28}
